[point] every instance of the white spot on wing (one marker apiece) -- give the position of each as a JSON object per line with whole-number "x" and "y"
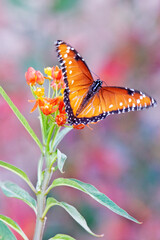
{"x": 133, "y": 105}
{"x": 110, "y": 106}
{"x": 65, "y": 55}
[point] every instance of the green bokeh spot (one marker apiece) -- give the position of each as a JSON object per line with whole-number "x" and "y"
{"x": 18, "y": 3}
{"x": 63, "y": 5}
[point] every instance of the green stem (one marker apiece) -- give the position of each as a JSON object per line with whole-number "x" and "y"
{"x": 54, "y": 137}
{"x": 41, "y": 203}
{"x": 39, "y": 173}
{"x": 43, "y": 122}
{"x": 49, "y": 136}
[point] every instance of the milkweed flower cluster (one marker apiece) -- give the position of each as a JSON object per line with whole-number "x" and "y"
{"x": 52, "y": 104}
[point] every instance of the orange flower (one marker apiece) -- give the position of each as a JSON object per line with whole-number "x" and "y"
{"x": 48, "y": 108}
{"x": 79, "y": 126}
{"x": 38, "y": 102}
{"x": 56, "y": 74}
{"x": 30, "y": 76}
{"x": 47, "y": 105}
{"x": 61, "y": 119}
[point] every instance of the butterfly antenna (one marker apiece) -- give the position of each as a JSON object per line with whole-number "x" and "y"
{"x": 95, "y": 74}
{"x": 99, "y": 78}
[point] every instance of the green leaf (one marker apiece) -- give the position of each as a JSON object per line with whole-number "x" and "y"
{"x": 61, "y": 158}
{"x": 19, "y": 172}
{"x": 12, "y": 190}
{"x": 21, "y": 118}
{"x": 13, "y": 225}
{"x": 62, "y": 237}
{"x": 72, "y": 212}
{"x": 92, "y": 192}
{"x": 61, "y": 135}
{"x": 5, "y": 232}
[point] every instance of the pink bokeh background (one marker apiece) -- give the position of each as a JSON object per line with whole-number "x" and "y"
{"x": 120, "y": 41}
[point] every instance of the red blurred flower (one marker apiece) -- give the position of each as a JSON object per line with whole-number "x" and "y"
{"x": 39, "y": 77}
{"x": 30, "y": 76}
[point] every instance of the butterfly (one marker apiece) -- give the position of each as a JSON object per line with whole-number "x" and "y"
{"x": 85, "y": 99}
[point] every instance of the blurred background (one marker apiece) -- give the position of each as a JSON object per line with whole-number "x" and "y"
{"x": 120, "y": 41}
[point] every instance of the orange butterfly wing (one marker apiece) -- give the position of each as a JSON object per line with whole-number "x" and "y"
{"x": 77, "y": 78}
{"x": 119, "y": 100}
{"x": 111, "y": 100}
{"x": 106, "y": 101}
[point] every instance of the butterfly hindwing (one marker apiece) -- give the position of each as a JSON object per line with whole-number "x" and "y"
{"x": 120, "y": 100}
{"x": 113, "y": 100}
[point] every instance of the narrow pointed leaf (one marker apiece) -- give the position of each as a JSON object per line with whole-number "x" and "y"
{"x": 13, "y": 225}
{"x": 12, "y": 190}
{"x": 21, "y": 118}
{"x": 72, "y": 212}
{"x": 5, "y": 232}
{"x": 62, "y": 237}
{"x": 19, "y": 172}
{"x": 94, "y": 193}
{"x": 61, "y": 158}
{"x": 60, "y": 136}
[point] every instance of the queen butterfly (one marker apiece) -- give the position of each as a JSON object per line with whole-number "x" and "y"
{"x": 86, "y": 100}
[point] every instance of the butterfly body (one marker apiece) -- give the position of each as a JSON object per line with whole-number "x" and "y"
{"x": 87, "y": 100}
{"x": 94, "y": 88}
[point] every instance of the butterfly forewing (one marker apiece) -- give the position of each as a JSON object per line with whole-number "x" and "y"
{"x": 77, "y": 78}
{"x": 75, "y": 70}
